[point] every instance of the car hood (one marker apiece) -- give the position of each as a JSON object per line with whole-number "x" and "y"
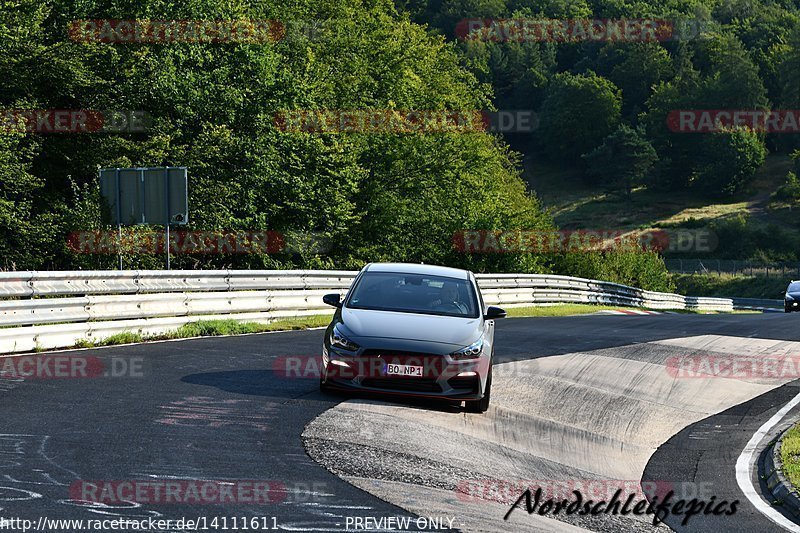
{"x": 455, "y": 331}
{"x": 794, "y": 295}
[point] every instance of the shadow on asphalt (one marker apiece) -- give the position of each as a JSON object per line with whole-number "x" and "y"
{"x": 271, "y": 384}
{"x": 255, "y": 382}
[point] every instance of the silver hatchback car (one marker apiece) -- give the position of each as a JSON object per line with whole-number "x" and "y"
{"x": 409, "y": 329}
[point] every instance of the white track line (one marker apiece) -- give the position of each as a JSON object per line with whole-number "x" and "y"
{"x": 743, "y": 469}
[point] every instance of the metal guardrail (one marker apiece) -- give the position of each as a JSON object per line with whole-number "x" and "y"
{"x": 43, "y": 310}
{"x": 84, "y": 282}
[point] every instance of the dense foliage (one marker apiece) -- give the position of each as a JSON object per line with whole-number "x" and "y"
{"x": 388, "y": 196}
{"x": 370, "y": 197}
{"x": 623, "y": 161}
{"x": 731, "y": 55}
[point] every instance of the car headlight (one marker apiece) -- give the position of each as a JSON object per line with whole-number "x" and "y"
{"x": 473, "y": 351}
{"x": 340, "y": 341}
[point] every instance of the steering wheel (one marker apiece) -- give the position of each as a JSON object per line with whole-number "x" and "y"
{"x": 449, "y": 306}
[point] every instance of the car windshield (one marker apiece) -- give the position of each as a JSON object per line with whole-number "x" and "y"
{"x": 414, "y": 293}
{"x": 794, "y": 287}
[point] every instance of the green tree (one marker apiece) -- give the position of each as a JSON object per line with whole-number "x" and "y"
{"x": 731, "y": 162}
{"x": 733, "y": 80}
{"x": 635, "y": 68}
{"x": 577, "y": 113}
{"x": 789, "y": 62}
{"x": 622, "y": 161}
{"x": 730, "y": 81}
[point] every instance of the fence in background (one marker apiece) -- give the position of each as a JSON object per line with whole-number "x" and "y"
{"x": 733, "y": 267}
{"x": 43, "y": 310}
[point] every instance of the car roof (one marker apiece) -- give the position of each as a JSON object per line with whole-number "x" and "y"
{"x": 414, "y": 268}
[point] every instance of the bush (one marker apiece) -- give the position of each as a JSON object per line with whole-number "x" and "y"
{"x": 790, "y": 190}
{"x": 637, "y": 268}
{"x": 728, "y": 286}
{"x": 740, "y": 238}
{"x": 728, "y": 161}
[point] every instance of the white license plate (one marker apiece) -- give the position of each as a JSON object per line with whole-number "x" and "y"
{"x": 403, "y": 370}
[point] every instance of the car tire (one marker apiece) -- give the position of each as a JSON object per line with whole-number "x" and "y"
{"x": 787, "y": 310}
{"x": 482, "y": 405}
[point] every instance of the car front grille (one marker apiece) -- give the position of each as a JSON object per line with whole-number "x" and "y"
{"x": 403, "y": 384}
{"x": 400, "y": 354}
{"x": 372, "y": 360}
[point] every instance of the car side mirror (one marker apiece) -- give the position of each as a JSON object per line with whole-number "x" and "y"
{"x": 333, "y": 299}
{"x": 493, "y": 312}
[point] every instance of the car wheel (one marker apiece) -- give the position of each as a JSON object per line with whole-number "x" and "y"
{"x": 787, "y": 310}
{"x": 482, "y": 405}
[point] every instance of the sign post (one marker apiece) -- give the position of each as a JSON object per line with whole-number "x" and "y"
{"x": 145, "y": 195}
{"x": 119, "y": 224}
{"x": 166, "y": 213}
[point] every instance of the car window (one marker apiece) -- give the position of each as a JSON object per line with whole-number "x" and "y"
{"x": 794, "y": 287}
{"x": 414, "y": 293}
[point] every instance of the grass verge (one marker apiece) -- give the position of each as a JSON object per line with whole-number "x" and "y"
{"x": 586, "y": 309}
{"x": 210, "y": 328}
{"x": 575, "y": 203}
{"x": 558, "y": 310}
{"x": 790, "y": 455}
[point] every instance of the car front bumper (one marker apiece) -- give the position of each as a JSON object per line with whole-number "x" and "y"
{"x": 441, "y": 377}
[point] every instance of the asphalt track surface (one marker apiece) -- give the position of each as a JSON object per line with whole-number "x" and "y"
{"x": 216, "y": 409}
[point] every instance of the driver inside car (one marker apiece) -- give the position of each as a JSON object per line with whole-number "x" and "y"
{"x": 448, "y": 297}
